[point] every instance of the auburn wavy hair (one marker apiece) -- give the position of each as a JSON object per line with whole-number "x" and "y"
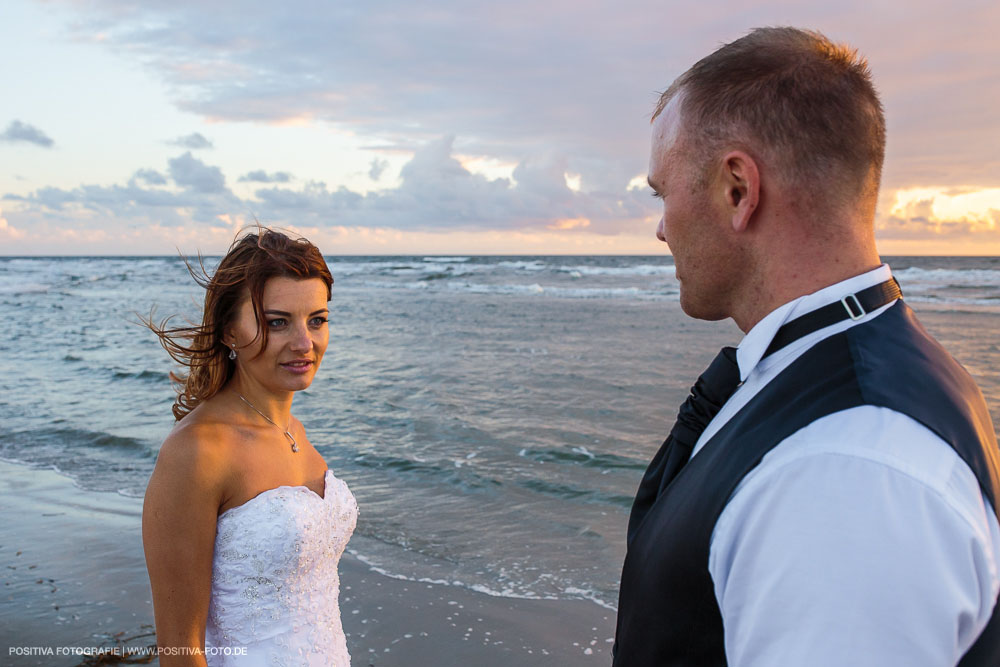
{"x": 254, "y": 258}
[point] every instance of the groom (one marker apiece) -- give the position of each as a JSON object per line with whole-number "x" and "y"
{"x": 828, "y": 494}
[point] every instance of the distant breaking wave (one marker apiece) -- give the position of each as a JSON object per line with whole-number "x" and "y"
{"x": 914, "y": 278}
{"x": 439, "y": 281}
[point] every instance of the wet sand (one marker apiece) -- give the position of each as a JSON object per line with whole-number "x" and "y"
{"x": 74, "y": 581}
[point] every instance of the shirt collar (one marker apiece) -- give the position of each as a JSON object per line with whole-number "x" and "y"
{"x": 755, "y": 343}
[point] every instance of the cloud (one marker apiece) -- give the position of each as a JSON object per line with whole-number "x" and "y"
{"x": 6, "y": 231}
{"x": 560, "y": 92}
{"x": 150, "y": 176}
{"x": 378, "y": 167}
{"x": 261, "y": 176}
{"x": 18, "y": 131}
{"x": 193, "y": 141}
{"x": 191, "y": 193}
{"x": 436, "y": 192}
{"x": 940, "y": 212}
{"x": 506, "y": 84}
{"x": 523, "y": 77}
{"x": 190, "y": 172}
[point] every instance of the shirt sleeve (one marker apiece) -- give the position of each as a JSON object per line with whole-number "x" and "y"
{"x": 861, "y": 540}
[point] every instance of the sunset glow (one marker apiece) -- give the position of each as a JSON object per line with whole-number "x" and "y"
{"x": 481, "y": 132}
{"x": 978, "y": 210}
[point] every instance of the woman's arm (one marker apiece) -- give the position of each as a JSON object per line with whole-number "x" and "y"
{"x": 178, "y": 534}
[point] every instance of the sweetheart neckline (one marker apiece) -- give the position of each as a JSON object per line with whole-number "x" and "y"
{"x": 303, "y": 487}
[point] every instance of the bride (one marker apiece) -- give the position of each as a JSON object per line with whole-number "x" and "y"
{"x": 243, "y": 523}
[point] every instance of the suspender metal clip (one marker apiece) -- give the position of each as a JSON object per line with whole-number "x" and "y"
{"x": 855, "y": 311}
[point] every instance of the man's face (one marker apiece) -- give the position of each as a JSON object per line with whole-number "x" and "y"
{"x": 693, "y": 225}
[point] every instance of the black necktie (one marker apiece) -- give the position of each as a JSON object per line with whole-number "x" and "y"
{"x": 720, "y": 380}
{"x": 709, "y": 393}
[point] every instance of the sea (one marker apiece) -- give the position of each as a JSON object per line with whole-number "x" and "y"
{"x": 493, "y": 415}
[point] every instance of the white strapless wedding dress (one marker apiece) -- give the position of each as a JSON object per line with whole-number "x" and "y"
{"x": 275, "y": 586}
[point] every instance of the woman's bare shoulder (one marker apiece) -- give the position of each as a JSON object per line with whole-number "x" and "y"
{"x": 200, "y": 446}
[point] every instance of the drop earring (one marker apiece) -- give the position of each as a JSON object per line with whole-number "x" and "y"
{"x": 232, "y": 354}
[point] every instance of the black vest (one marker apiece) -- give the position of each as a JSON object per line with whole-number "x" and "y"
{"x": 667, "y": 611}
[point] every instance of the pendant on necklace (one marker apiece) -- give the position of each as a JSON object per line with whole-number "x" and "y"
{"x": 295, "y": 448}
{"x": 291, "y": 440}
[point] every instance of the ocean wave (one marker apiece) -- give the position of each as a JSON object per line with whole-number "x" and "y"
{"x": 564, "y": 292}
{"x": 146, "y": 375}
{"x": 587, "y": 594}
{"x": 401, "y": 267}
{"x": 72, "y": 438}
{"x": 442, "y": 282}
{"x": 569, "y": 592}
{"x": 442, "y": 275}
{"x": 340, "y": 268}
{"x": 483, "y": 265}
{"x": 482, "y": 288}
{"x": 94, "y": 460}
{"x": 955, "y": 304}
{"x": 451, "y": 471}
{"x": 567, "y": 492}
{"x": 638, "y": 270}
{"x": 918, "y": 279}
{"x": 524, "y": 265}
{"x": 582, "y": 456}
{"x": 93, "y": 278}
{"x": 25, "y": 288}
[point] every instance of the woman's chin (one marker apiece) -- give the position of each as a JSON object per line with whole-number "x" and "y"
{"x": 303, "y": 382}
{"x": 298, "y": 384}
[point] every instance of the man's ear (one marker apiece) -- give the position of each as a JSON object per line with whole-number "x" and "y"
{"x": 741, "y": 188}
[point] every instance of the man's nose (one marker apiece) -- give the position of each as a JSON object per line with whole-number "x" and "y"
{"x": 659, "y": 231}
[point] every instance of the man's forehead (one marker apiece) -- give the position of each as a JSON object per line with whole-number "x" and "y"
{"x": 665, "y": 132}
{"x": 666, "y": 126}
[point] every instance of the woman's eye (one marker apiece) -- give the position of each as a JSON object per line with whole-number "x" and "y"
{"x": 276, "y": 322}
{"x": 318, "y": 321}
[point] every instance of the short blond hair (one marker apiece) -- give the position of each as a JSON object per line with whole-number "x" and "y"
{"x": 803, "y": 101}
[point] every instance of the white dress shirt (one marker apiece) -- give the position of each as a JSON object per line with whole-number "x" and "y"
{"x": 862, "y": 539}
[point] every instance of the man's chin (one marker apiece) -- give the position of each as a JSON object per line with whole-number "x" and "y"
{"x": 700, "y": 309}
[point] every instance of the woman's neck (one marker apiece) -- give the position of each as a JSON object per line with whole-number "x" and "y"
{"x": 277, "y": 407}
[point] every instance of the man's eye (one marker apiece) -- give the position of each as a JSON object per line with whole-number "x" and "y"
{"x": 656, "y": 195}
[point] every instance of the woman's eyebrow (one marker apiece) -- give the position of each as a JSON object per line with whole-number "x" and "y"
{"x": 287, "y": 314}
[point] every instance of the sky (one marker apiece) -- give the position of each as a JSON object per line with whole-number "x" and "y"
{"x": 439, "y": 127}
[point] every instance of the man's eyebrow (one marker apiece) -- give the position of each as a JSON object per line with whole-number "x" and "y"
{"x": 650, "y": 182}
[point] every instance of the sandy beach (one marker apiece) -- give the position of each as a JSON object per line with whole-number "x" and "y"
{"x": 74, "y": 581}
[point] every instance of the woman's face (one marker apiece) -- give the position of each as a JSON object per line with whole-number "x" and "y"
{"x": 295, "y": 314}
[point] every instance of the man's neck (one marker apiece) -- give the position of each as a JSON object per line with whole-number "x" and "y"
{"x": 801, "y": 270}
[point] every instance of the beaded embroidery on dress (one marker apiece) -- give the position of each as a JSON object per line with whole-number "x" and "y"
{"x": 275, "y": 585}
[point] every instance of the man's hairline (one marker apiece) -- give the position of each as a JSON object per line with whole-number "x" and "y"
{"x": 665, "y": 98}
{"x": 686, "y": 143}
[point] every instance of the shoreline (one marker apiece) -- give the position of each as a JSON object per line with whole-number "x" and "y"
{"x": 74, "y": 579}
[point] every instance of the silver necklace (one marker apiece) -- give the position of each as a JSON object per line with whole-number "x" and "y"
{"x": 288, "y": 435}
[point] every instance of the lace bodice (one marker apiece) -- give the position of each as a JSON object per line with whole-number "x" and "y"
{"x": 275, "y": 587}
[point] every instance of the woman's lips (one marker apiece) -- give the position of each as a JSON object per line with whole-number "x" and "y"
{"x": 300, "y": 367}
